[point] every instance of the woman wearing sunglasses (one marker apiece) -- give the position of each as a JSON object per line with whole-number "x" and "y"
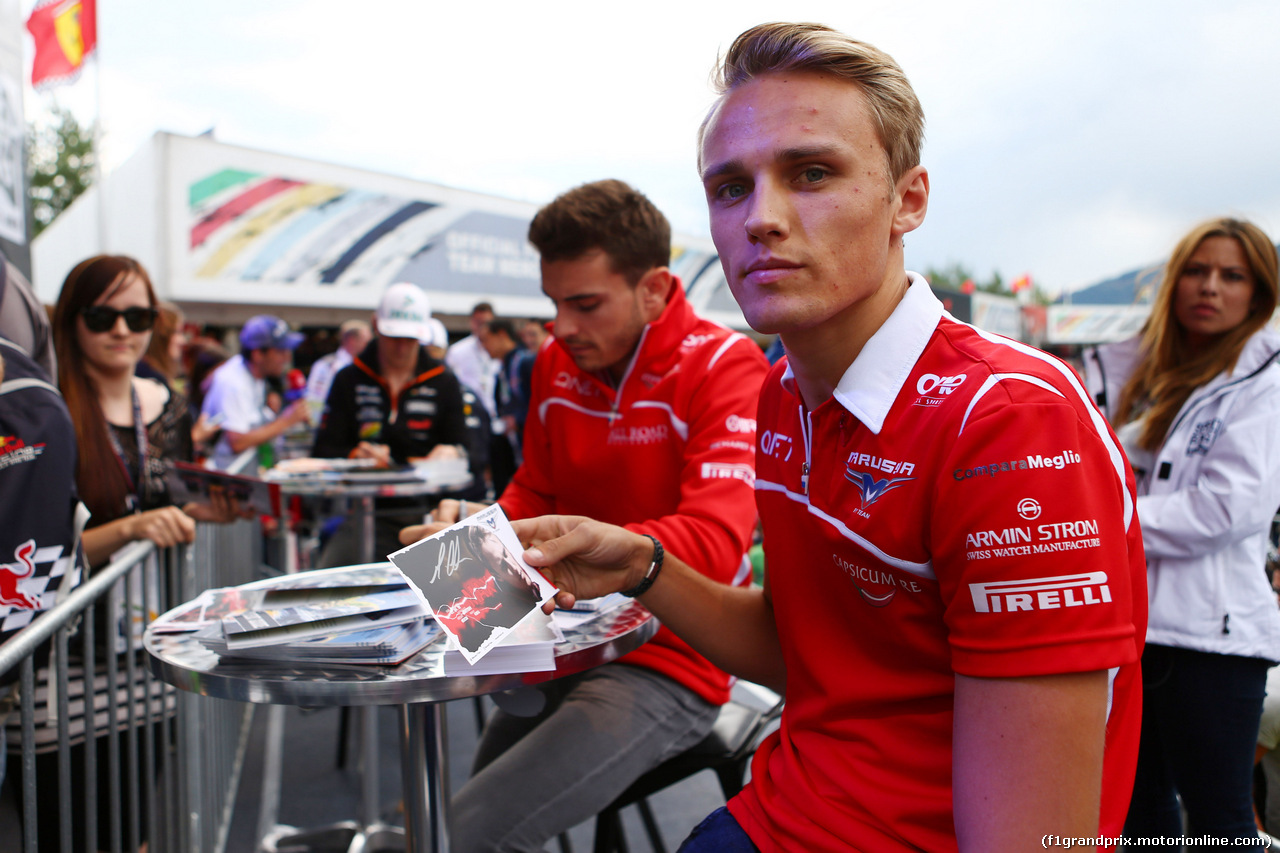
{"x": 127, "y": 427}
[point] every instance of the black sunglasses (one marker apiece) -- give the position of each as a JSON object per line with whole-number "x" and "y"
{"x": 100, "y": 318}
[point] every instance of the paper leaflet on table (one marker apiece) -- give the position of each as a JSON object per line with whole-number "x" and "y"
{"x": 190, "y": 483}
{"x": 473, "y": 577}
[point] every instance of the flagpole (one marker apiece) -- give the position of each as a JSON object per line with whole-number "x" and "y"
{"x": 97, "y": 142}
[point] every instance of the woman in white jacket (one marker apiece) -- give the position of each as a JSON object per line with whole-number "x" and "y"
{"x": 1196, "y": 402}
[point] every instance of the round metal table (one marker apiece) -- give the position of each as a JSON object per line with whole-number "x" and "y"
{"x": 362, "y": 486}
{"x": 415, "y": 686}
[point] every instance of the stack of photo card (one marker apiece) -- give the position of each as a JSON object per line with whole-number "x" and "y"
{"x": 530, "y": 647}
{"x": 361, "y": 614}
{"x": 473, "y": 579}
{"x": 386, "y": 646}
{"x": 321, "y": 616}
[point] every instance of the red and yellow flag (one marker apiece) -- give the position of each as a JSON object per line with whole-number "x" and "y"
{"x": 65, "y": 33}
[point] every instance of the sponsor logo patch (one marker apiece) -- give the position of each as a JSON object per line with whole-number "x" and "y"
{"x": 872, "y": 489}
{"x": 734, "y": 423}
{"x": 934, "y": 390}
{"x": 728, "y": 471}
{"x": 15, "y": 451}
{"x": 692, "y": 341}
{"x": 877, "y": 587}
{"x": 22, "y": 567}
{"x": 582, "y": 387}
{"x": 1030, "y": 462}
{"x": 731, "y": 445}
{"x": 1026, "y": 541}
{"x": 1203, "y": 436}
{"x": 639, "y": 434}
{"x": 776, "y": 444}
{"x": 1050, "y": 593}
{"x": 878, "y": 463}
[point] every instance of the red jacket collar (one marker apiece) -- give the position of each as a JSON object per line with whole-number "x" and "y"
{"x": 660, "y": 341}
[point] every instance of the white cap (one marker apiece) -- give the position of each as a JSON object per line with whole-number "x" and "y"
{"x": 404, "y": 312}
{"x": 439, "y": 334}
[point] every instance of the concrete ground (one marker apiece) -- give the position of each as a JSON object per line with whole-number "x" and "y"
{"x": 315, "y": 791}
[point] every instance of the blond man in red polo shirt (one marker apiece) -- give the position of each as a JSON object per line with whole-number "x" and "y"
{"x": 955, "y": 594}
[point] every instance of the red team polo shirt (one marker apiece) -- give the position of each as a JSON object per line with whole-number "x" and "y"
{"x": 959, "y": 505}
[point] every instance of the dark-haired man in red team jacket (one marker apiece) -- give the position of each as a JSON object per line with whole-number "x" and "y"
{"x": 641, "y": 414}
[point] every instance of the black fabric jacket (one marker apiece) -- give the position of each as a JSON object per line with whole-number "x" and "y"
{"x": 361, "y": 408}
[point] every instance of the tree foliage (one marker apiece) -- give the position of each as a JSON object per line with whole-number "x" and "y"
{"x": 60, "y": 158}
{"x": 953, "y": 276}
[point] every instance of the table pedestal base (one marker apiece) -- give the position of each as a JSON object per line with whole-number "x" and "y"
{"x": 423, "y": 770}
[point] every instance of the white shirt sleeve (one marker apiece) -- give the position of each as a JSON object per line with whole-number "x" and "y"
{"x": 233, "y": 395}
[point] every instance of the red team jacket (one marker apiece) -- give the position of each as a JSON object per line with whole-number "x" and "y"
{"x": 959, "y": 506}
{"x": 669, "y": 453}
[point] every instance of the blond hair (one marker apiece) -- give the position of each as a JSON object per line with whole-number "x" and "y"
{"x": 1169, "y": 370}
{"x": 781, "y": 47}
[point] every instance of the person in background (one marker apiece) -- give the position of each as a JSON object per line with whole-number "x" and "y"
{"x": 475, "y": 416}
{"x": 641, "y": 413}
{"x": 470, "y": 363}
{"x": 498, "y": 337}
{"x": 41, "y": 559}
{"x": 438, "y": 344}
{"x": 128, "y": 431}
{"x": 392, "y": 404}
{"x": 203, "y": 358}
{"x": 515, "y": 377}
{"x": 477, "y": 370}
{"x": 1267, "y": 757}
{"x": 236, "y": 401}
{"x": 164, "y": 357}
{"x": 127, "y": 428}
{"x": 23, "y": 320}
{"x": 953, "y": 601}
{"x": 534, "y": 334}
{"x": 353, "y": 336}
{"x": 1196, "y": 401}
{"x": 40, "y": 556}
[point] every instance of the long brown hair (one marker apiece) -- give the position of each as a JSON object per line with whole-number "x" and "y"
{"x": 168, "y": 324}
{"x": 1169, "y": 369}
{"x": 101, "y": 483}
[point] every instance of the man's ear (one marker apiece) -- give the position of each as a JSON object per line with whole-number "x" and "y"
{"x": 653, "y": 289}
{"x": 912, "y": 191}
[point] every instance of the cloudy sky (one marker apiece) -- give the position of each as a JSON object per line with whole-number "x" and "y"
{"x": 1070, "y": 140}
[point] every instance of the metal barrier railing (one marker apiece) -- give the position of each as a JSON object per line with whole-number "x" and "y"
{"x": 150, "y": 763}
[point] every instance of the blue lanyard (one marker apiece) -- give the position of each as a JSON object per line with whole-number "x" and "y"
{"x": 138, "y": 491}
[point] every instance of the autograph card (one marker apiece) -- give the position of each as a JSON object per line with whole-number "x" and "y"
{"x": 474, "y": 580}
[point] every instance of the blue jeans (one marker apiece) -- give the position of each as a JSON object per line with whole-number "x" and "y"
{"x": 719, "y": 832}
{"x": 1200, "y": 714}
